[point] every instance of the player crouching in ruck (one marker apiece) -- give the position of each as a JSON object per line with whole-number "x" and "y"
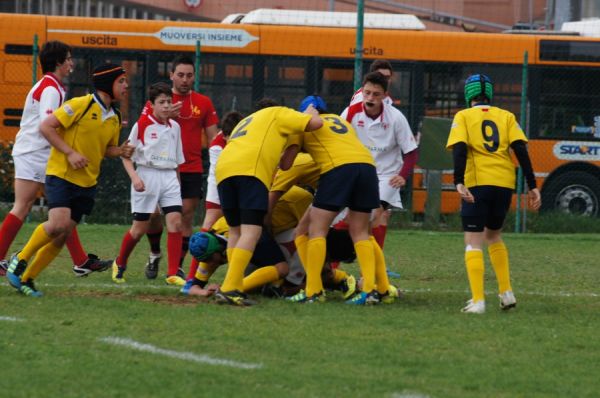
{"x": 158, "y": 153}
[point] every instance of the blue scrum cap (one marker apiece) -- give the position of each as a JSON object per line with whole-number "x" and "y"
{"x": 317, "y": 102}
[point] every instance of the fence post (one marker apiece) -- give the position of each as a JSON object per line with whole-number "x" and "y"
{"x": 35, "y": 56}
{"x": 358, "y": 54}
{"x": 522, "y": 121}
{"x": 197, "y": 74}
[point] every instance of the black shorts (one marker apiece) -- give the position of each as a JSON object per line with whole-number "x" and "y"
{"x": 489, "y": 210}
{"x": 353, "y": 185}
{"x": 191, "y": 185}
{"x": 267, "y": 252}
{"x": 340, "y": 247}
{"x": 62, "y": 193}
{"x": 244, "y": 200}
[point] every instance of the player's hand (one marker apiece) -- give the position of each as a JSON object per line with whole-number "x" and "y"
{"x": 77, "y": 160}
{"x": 535, "y": 199}
{"x": 311, "y": 110}
{"x": 138, "y": 184}
{"x": 397, "y": 181}
{"x": 175, "y": 110}
{"x": 213, "y": 287}
{"x": 126, "y": 149}
{"x": 465, "y": 194}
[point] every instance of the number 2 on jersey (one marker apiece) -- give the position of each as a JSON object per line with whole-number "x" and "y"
{"x": 240, "y": 128}
{"x": 492, "y": 141}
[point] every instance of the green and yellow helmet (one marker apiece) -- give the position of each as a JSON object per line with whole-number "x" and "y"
{"x": 477, "y": 85}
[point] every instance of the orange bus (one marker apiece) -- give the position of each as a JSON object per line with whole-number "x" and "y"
{"x": 241, "y": 63}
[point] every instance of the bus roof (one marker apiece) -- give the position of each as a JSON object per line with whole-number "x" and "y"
{"x": 266, "y": 16}
{"x": 587, "y": 27}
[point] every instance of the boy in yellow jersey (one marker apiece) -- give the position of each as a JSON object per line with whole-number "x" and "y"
{"x": 348, "y": 179}
{"x": 484, "y": 174}
{"x": 244, "y": 174}
{"x": 82, "y": 132}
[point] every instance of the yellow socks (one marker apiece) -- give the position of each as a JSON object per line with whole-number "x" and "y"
{"x": 315, "y": 259}
{"x": 474, "y": 263}
{"x": 42, "y": 259}
{"x": 339, "y": 276}
{"x": 301, "y": 243}
{"x": 39, "y": 238}
{"x": 202, "y": 272}
{"x": 366, "y": 259}
{"x": 381, "y": 276}
{"x": 235, "y": 273}
{"x": 260, "y": 277}
{"x": 499, "y": 258}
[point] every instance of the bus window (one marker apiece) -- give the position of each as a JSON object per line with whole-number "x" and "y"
{"x": 285, "y": 80}
{"x": 337, "y": 86}
{"x": 568, "y": 103}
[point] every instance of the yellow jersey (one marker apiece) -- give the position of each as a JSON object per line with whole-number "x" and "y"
{"x": 290, "y": 208}
{"x": 304, "y": 172}
{"x": 335, "y": 144}
{"x": 89, "y": 129}
{"x": 255, "y": 145}
{"x": 488, "y": 132}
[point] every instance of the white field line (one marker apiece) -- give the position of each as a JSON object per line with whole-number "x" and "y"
{"x": 171, "y": 288}
{"x": 187, "y": 356}
{"x": 408, "y": 395}
{"x": 10, "y": 319}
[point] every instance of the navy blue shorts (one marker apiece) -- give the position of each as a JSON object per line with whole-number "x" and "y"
{"x": 191, "y": 185}
{"x": 62, "y": 193}
{"x": 353, "y": 185}
{"x": 340, "y": 247}
{"x": 267, "y": 252}
{"x": 244, "y": 200}
{"x": 489, "y": 210}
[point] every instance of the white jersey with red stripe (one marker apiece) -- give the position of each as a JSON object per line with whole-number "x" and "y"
{"x": 157, "y": 145}
{"x": 45, "y": 97}
{"x": 387, "y": 137}
{"x": 214, "y": 151}
{"x": 358, "y": 97}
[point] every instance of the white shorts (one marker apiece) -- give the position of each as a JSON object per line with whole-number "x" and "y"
{"x": 32, "y": 165}
{"x": 162, "y": 189}
{"x": 212, "y": 195}
{"x": 389, "y": 194}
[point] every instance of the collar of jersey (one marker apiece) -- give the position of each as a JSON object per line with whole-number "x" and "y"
{"x": 106, "y": 113}
{"x": 56, "y": 79}
{"x": 155, "y": 121}
{"x": 379, "y": 118}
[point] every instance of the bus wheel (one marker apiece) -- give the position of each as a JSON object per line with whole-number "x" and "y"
{"x": 574, "y": 192}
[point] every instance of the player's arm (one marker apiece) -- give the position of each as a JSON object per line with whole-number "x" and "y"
{"x": 315, "y": 121}
{"x": 211, "y": 133}
{"x": 49, "y": 102}
{"x": 519, "y": 147}
{"x": 136, "y": 181}
{"x": 49, "y": 129}
{"x": 408, "y": 165}
{"x": 459, "y": 153}
{"x": 125, "y": 150}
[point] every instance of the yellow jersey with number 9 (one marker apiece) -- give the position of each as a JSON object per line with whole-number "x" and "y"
{"x": 488, "y": 132}
{"x": 256, "y": 143}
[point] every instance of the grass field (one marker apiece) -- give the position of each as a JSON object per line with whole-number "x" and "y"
{"x": 89, "y": 338}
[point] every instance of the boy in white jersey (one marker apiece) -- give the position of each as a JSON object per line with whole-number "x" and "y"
{"x": 158, "y": 154}
{"x": 31, "y": 152}
{"x": 385, "y": 131}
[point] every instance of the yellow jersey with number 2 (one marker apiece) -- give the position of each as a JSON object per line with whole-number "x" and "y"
{"x": 255, "y": 145}
{"x": 488, "y": 132}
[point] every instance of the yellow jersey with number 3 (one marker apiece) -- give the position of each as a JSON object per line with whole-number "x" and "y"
{"x": 335, "y": 144}
{"x": 255, "y": 145}
{"x": 488, "y": 132}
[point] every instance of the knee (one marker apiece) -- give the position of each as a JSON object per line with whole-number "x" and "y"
{"x": 282, "y": 269}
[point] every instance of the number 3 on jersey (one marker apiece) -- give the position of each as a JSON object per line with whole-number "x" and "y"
{"x": 338, "y": 127}
{"x": 491, "y": 137}
{"x": 240, "y": 129}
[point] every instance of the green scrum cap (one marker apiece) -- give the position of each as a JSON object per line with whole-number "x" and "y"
{"x": 477, "y": 85}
